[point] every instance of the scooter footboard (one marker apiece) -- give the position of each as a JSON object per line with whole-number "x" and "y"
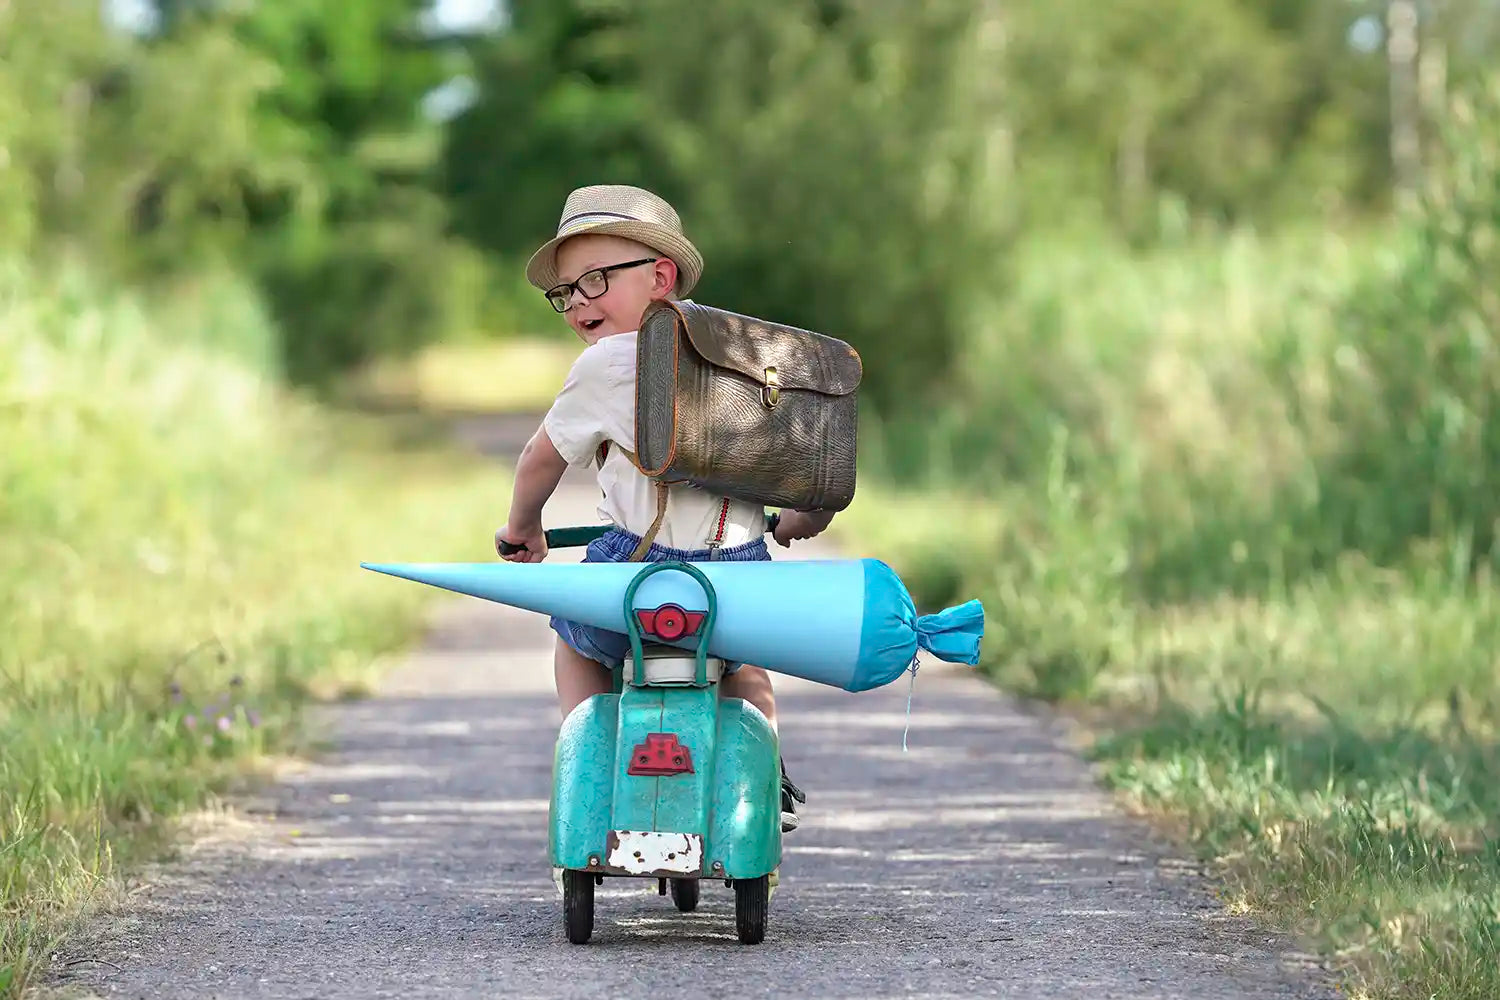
{"x": 583, "y": 771}
{"x": 745, "y": 835}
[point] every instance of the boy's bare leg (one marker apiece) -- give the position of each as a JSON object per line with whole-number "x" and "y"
{"x": 578, "y": 677}
{"x": 753, "y": 684}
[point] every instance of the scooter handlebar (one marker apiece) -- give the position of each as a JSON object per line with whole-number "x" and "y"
{"x": 564, "y": 538}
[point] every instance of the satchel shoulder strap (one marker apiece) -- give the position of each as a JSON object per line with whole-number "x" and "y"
{"x": 644, "y": 545}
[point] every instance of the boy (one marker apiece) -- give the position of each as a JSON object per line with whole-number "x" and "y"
{"x": 618, "y": 249}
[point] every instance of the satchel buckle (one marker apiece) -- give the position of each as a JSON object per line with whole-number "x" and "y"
{"x": 770, "y": 393}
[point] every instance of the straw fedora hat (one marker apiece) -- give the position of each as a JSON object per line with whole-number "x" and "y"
{"x": 620, "y": 210}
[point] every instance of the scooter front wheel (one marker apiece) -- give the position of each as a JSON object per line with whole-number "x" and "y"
{"x": 685, "y": 894}
{"x": 752, "y": 899}
{"x": 578, "y": 905}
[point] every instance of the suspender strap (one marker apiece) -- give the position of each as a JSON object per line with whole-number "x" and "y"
{"x": 715, "y": 542}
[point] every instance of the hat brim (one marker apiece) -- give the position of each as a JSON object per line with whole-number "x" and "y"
{"x": 541, "y": 270}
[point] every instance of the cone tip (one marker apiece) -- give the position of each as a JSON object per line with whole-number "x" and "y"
{"x": 404, "y": 570}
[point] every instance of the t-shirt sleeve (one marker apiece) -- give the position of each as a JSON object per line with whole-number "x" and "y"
{"x": 588, "y": 410}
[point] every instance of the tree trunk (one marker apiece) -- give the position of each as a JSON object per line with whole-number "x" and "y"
{"x": 1133, "y": 171}
{"x": 989, "y": 88}
{"x": 1401, "y": 56}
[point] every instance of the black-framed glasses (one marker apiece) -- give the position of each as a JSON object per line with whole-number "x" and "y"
{"x": 591, "y": 283}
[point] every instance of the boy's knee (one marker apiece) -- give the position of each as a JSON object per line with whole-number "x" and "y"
{"x": 750, "y": 678}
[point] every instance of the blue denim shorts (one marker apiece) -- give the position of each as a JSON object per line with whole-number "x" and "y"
{"x": 613, "y": 648}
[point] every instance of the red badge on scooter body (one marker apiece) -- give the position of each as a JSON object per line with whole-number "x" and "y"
{"x": 660, "y": 756}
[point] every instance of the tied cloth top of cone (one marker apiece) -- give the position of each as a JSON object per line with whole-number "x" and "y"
{"x": 620, "y": 210}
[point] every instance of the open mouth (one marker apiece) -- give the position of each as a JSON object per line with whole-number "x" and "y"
{"x": 592, "y": 324}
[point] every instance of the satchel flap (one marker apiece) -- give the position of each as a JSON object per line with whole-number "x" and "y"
{"x": 802, "y": 359}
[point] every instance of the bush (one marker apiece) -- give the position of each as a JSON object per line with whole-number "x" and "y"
{"x": 1417, "y": 365}
{"x": 378, "y": 289}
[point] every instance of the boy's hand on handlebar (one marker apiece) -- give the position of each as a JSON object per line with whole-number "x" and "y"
{"x": 798, "y": 524}
{"x": 531, "y": 539}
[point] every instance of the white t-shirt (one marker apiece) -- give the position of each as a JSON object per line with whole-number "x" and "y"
{"x": 597, "y": 404}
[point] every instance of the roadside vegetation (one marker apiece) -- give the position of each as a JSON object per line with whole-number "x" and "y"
{"x": 1235, "y": 504}
{"x": 179, "y": 572}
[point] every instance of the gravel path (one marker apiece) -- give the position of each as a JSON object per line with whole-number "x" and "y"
{"x": 410, "y": 862}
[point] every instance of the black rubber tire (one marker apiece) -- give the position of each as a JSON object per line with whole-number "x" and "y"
{"x": 685, "y": 894}
{"x": 752, "y": 901}
{"x": 578, "y": 905}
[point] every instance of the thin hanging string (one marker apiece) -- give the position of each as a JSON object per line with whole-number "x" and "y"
{"x": 911, "y": 689}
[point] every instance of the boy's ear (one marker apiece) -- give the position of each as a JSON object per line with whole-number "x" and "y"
{"x": 664, "y": 276}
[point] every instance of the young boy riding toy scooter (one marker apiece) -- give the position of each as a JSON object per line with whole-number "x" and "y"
{"x": 618, "y": 250}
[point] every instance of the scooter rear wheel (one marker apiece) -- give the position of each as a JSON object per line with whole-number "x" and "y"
{"x": 685, "y": 894}
{"x": 752, "y": 898}
{"x": 578, "y": 905}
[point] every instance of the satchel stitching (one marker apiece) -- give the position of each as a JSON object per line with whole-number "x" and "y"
{"x": 672, "y": 437}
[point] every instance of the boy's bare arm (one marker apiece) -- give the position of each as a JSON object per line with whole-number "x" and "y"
{"x": 538, "y": 472}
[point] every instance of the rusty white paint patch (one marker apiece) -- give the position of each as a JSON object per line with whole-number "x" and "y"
{"x": 649, "y": 853}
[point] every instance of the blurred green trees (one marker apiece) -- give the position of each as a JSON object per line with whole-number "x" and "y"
{"x": 864, "y": 168}
{"x": 868, "y": 168}
{"x": 284, "y": 140}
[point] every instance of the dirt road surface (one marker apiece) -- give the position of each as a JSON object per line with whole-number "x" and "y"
{"x": 411, "y": 861}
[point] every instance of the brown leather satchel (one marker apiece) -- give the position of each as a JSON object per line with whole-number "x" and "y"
{"x": 744, "y": 408}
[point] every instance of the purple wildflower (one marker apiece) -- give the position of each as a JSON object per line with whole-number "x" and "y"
{"x": 224, "y": 723}
{"x": 191, "y": 721}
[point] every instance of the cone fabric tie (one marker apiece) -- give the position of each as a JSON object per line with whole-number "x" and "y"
{"x": 953, "y": 634}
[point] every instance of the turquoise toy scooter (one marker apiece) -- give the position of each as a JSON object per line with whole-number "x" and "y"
{"x": 664, "y": 778}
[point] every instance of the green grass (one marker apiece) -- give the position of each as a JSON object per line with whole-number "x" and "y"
{"x": 179, "y": 548}
{"x": 1232, "y": 504}
{"x": 1334, "y": 750}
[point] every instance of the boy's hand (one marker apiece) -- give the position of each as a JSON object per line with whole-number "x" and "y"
{"x": 531, "y": 538}
{"x": 798, "y": 524}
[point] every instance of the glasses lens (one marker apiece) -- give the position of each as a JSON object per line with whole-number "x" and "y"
{"x": 559, "y": 298}
{"x": 593, "y": 284}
